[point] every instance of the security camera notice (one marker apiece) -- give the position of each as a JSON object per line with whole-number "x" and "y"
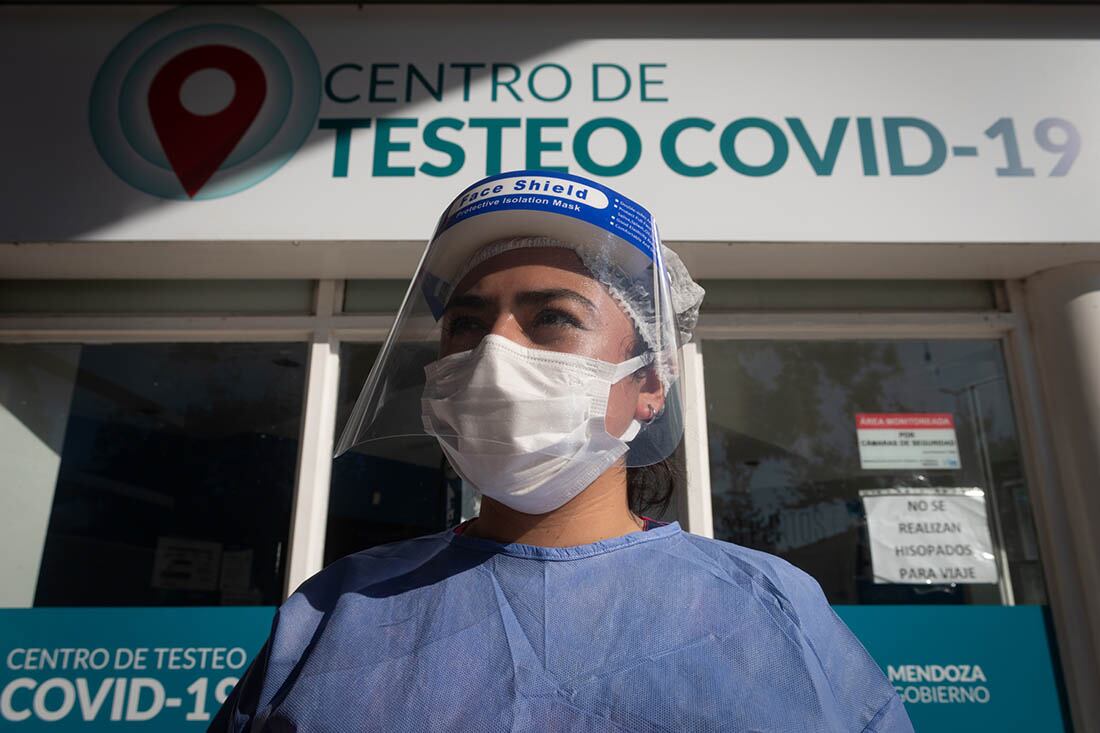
{"x": 929, "y": 536}
{"x": 62, "y": 672}
{"x": 907, "y": 440}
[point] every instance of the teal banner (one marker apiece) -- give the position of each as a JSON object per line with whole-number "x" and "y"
{"x": 965, "y": 668}
{"x": 957, "y": 668}
{"x": 153, "y": 669}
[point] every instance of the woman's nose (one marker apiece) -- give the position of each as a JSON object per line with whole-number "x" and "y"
{"x": 508, "y": 326}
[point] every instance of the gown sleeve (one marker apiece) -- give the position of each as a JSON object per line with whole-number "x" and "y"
{"x": 862, "y": 693}
{"x": 892, "y": 718}
{"x": 293, "y": 632}
{"x": 238, "y": 712}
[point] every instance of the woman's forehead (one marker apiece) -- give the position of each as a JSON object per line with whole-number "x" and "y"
{"x": 520, "y": 269}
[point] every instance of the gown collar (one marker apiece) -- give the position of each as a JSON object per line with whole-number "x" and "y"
{"x": 654, "y": 531}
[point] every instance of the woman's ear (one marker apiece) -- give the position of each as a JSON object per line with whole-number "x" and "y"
{"x": 651, "y": 397}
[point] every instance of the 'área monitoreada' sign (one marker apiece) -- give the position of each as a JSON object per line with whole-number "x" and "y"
{"x": 907, "y": 441}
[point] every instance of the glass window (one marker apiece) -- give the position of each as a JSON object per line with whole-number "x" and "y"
{"x": 387, "y": 490}
{"x": 843, "y": 295}
{"x": 785, "y": 461}
{"x": 147, "y": 474}
{"x": 241, "y": 297}
{"x": 374, "y": 296}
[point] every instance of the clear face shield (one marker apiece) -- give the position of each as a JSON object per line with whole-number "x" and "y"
{"x": 540, "y": 321}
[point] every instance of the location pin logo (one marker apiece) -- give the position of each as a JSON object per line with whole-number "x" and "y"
{"x": 197, "y": 145}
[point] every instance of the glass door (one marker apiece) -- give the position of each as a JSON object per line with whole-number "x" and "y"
{"x": 149, "y": 474}
{"x": 892, "y": 472}
{"x": 391, "y": 490}
{"x": 800, "y": 433}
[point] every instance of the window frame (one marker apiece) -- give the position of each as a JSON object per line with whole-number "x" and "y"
{"x": 862, "y": 326}
{"x": 1010, "y": 327}
{"x": 328, "y": 326}
{"x": 322, "y": 331}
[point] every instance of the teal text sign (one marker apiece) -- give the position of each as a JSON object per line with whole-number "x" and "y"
{"x": 162, "y": 669}
{"x": 965, "y": 668}
{"x": 957, "y": 668}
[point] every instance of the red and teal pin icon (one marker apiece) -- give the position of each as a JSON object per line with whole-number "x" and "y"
{"x": 196, "y": 145}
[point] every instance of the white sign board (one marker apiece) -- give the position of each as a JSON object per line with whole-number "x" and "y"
{"x": 929, "y": 536}
{"x": 907, "y": 440}
{"x": 349, "y": 123}
{"x": 184, "y": 564}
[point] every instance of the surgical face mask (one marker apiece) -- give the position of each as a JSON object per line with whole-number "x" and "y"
{"x": 525, "y": 426}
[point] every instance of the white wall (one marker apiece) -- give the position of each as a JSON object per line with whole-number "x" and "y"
{"x": 36, "y": 385}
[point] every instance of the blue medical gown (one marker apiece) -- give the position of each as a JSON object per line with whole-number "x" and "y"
{"x": 660, "y": 630}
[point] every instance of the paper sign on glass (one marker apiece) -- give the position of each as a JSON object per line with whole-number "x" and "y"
{"x": 929, "y": 536}
{"x": 907, "y": 440}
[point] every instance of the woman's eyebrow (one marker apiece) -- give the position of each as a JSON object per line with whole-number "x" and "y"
{"x": 539, "y": 297}
{"x": 475, "y": 302}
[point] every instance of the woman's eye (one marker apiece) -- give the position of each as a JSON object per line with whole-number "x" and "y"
{"x": 552, "y": 317}
{"x": 463, "y": 324}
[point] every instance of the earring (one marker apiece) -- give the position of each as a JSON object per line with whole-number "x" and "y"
{"x": 652, "y": 415}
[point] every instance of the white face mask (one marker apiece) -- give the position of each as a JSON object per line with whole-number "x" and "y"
{"x": 525, "y": 426}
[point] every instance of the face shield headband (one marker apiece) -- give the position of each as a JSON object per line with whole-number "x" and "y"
{"x": 617, "y": 242}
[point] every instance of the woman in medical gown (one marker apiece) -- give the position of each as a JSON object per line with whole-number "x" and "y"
{"x": 540, "y": 342}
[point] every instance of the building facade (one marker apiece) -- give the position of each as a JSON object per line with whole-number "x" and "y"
{"x": 210, "y": 215}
